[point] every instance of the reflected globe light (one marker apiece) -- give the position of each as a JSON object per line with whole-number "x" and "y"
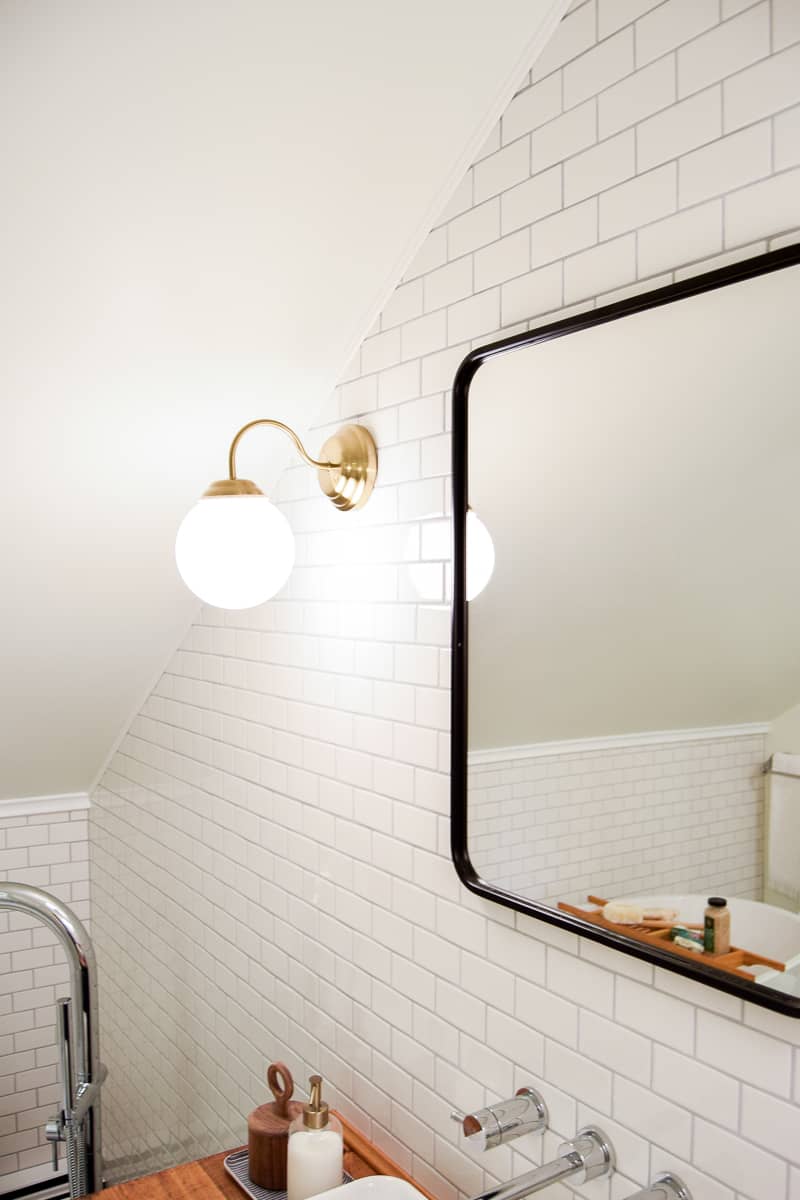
{"x": 425, "y": 574}
{"x": 480, "y": 555}
{"x": 234, "y": 551}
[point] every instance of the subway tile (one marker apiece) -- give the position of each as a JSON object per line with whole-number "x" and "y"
{"x": 489, "y": 983}
{"x": 760, "y": 1060}
{"x": 694, "y": 233}
{"x": 431, "y": 254}
{"x": 722, "y": 51}
{"x": 537, "y": 292}
{"x": 529, "y": 201}
{"x": 761, "y": 90}
{"x": 742, "y": 1166}
{"x": 655, "y": 1015}
{"x": 649, "y": 1115}
{"x": 531, "y": 108}
{"x": 460, "y": 201}
{"x": 697, "y": 1087}
{"x": 606, "y": 266}
{"x": 639, "y": 201}
{"x": 578, "y": 1076}
{"x": 564, "y": 136}
{"x": 776, "y": 1024}
{"x": 448, "y": 284}
{"x": 615, "y": 1047}
{"x": 382, "y": 350}
{"x": 473, "y": 317}
{"x": 785, "y": 24}
{"x": 787, "y": 139}
{"x": 490, "y": 146}
{"x": 576, "y": 33}
{"x": 770, "y": 1123}
{"x": 475, "y": 228}
{"x": 515, "y": 1041}
{"x": 465, "y": 1012}
{"x": 614, "y": 14}
{"x": 502, "y": 170}
{"x": 678, "y": 129}
{"x": 670, "y": 25}
{"x": 774, "y": 203}
{"x": 639, "y": 96}
{"x": 598, "y": 68}
{"x": 502, "y": 260}
{"x": 404, "y": 304}
{"x": 550, "y": 1014}
{"x": 515, "y": 952}
{"x": 724, "y": 165}
{"x": 600, "y": 167}
{"x": 564, "y": 233}
{"x": 580, "y": 981}
{"x": 424, "y": 335}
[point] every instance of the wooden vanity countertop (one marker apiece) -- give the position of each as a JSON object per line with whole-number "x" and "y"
{"x": 207, "y": 1179}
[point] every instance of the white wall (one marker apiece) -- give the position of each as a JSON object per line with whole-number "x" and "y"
{"x": 784, "y": 733}
{"x": 47, "y": 849}
{"x": 270, "y": 865}
{"x": 621, "y": 819}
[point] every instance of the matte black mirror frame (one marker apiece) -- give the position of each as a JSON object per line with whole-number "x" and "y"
{"x": 738, "y": 272}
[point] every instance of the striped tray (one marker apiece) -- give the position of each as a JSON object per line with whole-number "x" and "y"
{"x": 238, "y": 1168}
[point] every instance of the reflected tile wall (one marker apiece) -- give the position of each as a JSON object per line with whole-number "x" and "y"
{"x": 671, "y": 817}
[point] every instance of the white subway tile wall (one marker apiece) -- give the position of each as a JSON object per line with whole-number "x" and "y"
{"x": 671, "y": 817}
{"x": 50, "y": 851}
{"x": 270, "y": 844}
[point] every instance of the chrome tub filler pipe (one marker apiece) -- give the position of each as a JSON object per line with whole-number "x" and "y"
{"x": 77, "y": 1123}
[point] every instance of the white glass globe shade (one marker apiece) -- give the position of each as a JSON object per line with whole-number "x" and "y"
{"x": 480, "y": 555}
{"x": 234, "y": 551}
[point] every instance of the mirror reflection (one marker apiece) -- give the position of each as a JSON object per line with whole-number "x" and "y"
{"x": 634, "y": 660}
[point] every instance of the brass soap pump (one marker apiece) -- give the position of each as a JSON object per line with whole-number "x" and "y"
{"x": 315, "y": 1147}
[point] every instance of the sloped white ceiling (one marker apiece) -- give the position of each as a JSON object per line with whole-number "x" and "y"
{"x": 204, "y": 205}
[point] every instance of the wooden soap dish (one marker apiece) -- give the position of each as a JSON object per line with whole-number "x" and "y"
{"x": 656, "y": 933}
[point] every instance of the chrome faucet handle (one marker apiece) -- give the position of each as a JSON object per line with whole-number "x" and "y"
{"x": 664, "y": 1187}
{"x": 526, "y": 1112}
{"x": 592, "y": 1152}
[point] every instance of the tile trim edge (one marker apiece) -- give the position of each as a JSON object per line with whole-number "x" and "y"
{"x": 32, "y": 806}
{"x": 614, "y": 742}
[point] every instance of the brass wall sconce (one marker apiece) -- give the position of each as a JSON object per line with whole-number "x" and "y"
{"x": 235, "y": 549}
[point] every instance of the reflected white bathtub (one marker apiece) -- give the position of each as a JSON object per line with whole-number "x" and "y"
{"x": 762, "y": 928}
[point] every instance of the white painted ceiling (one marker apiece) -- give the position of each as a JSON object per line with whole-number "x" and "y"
{"x": 204, "y": 205}
{"x": 642, "y": 492}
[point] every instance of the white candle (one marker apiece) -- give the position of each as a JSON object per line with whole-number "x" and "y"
{"x": 314, "y": 1162}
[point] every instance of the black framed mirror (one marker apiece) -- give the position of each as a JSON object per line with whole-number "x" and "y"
{"x": 626, "y": 686}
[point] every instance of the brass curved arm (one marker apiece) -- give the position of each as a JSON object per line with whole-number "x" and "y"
{"x": 312, "y": 462}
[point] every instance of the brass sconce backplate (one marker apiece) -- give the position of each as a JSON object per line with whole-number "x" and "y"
{"x": 349, "y": 483}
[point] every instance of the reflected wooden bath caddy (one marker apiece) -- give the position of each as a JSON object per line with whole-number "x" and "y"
{"x": 656, "y": 933}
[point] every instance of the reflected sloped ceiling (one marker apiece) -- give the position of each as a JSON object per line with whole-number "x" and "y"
{"x": 204, "y": 206}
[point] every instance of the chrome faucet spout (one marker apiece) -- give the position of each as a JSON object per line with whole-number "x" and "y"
{"x": 588, "y": 1156}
